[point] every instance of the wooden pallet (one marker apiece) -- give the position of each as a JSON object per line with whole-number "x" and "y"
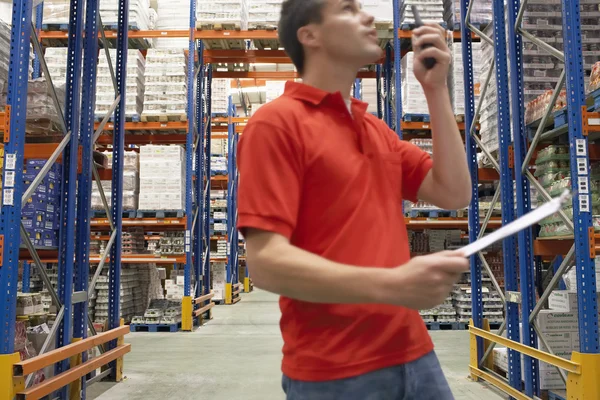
{"x": 223, "y": 44}
{"x": 265, "y": 44}
{"x": 160, "y": 214}
{"x": 446, "y": 326}
{"x": 128, "y": 118}
{"x": 102, "y": 214}
{"x": 164, "y": 117}
{"x": 434, "y": 213}
{"x": 416, "y": 117}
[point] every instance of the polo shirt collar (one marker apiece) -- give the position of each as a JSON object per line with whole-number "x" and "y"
{"x": 315, "y": 96}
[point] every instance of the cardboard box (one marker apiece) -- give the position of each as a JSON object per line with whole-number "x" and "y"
{"x": 563, "y": 301}
{"x": 552, "y": 321}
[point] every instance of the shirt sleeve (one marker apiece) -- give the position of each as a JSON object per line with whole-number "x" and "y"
{"x": 270, "y": 178}
{"x": 416, "y": 164}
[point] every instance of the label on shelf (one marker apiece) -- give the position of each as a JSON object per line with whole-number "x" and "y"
{"x": 9, "y": 197}
{"x": 9, "y": 179}
{"x": 11, "y": 161}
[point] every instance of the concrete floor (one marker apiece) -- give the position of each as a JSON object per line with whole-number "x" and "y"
{"x": 214, "y": 362}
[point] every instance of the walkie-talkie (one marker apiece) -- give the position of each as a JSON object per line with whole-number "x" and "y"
{"x": 429, "y": 61}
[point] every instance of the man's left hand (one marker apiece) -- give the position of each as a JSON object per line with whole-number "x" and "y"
{"x": 434, "y": 35}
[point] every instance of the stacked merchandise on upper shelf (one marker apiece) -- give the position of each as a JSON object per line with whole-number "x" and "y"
{"x": 481, "y": 13}
{"x": 172, "y": 15}
{"x": 413, "y": 97}
{"x": 369, "y": 94}
{"x": 131, "y": 183}
{"x": 139, "y": 14}
{"x": 56, "y": 14}
{"x": 225, "y": 14}
{"x": 488, "y": 118}
{"x": 263, "y": 14}
{"x": 554, "y": 173}
{"x": 457, "y": 85}
{"x": 165, "y": 96}
{"x": 41, "y": 215}
{"x": 430, "y": 11}
{"x": 105, "y": 92}
{"x": 220, "y": 90}
{"x": 162, "y": 178}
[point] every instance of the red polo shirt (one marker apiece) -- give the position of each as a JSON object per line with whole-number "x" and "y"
{"x": 333, "y": 183}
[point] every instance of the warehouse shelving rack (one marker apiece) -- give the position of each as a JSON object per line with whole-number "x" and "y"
{"x": 72, "y": 324}
{"x": 513, "y": 166}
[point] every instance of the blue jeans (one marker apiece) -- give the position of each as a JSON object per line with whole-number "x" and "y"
{"x": 422, "y": 379}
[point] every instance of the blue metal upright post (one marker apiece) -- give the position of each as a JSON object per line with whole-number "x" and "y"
{"x": 471, "y": 150}
{"x": 526, "y": 269}
{"x": 206, "y": 165}
{"x": 39, "y": 17}
{"x": 580, "y": 180}
{"x": 70, "y": 164}
{"x": 507, "y": 196}
{"x": 378, "y": 88}
{"x": 387, "y": 84}
{"x": 186, "y": 304}
{"x": 357, "y": 89}
{"x": 232, "y": 246}
{"x": 88, "y": 105}
{"x": 397, "y": 70}
{"x": 10, "y": 218}
{"x": 199, "y": 237}
{"x": 26, "y": 284}
{"x": 114, "y": 295}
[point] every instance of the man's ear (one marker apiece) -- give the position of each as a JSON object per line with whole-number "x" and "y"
{"x": 309, "y": 36}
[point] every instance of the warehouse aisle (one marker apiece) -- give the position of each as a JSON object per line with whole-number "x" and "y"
{"x": 214, "y": 362}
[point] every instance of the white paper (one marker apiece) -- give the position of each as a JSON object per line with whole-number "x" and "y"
{"x": 527, "y": 220}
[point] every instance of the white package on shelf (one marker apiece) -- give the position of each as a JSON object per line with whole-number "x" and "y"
{"x": 165, "y": 83}
{"x": 162, "y": 177}
{"x": 222, "y": 12}
{"x": 413, "y": 97}
{"x": 172, "y": 14}
{"x": 221, "y": 88}
{"x": 263, "y": 14}
{"x": 430, "y": 11}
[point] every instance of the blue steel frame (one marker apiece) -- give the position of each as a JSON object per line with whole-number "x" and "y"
{"x": 114, "y": 305}
{"x": 232, "y": 232}
{"x": 357, "y": 89}
{"x": 582, "y": 206}
{"x": 26, "y": 284}
{"x": 506, "y": 182}
{"x": 14, "y": 145}
{"x": 200, "y": 238}
{"x": 70, "y": 161}
{"x": 207, "y": 117}
{"x": 525, "y": 243}
{"x": 471, "y": 150}
{"x": 189, "y": 152}
{"x": 39, "y": 17}
{"x": 398, "y": 71}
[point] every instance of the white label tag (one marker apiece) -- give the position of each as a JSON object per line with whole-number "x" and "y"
{"x": 11, "y": 161}
{"x": 580, "y": 147}
{"x": 582, "y": 185}
{"x": 582, "y": 168}
{"x": 187, "y": 248}
{"x": 584, "y": 203}
{"x": 9, "y": 197}
{"x": 9, "y": 179}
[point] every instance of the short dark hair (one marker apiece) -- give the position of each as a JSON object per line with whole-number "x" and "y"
{"x": 294, "y": 15}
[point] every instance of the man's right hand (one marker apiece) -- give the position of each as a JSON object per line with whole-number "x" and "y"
{"x": 426, "y": 281}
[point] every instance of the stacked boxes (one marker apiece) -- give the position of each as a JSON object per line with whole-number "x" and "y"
{"x": 457, "y": 81}
{"x": 218, "y": 207}
{"x": 131, "y": 184}
{"x": 172, "y": 14}
{"x": 56, "y": 60}
{"x": 221, "y": 89}
{"x": 172, "y": 243}
{"x": 218, "y": 165}
{"x": 481, "y": 12}
{"x": 162, "y": 177}
{"x": 165, "y": 84}
{"x": 218, "y": 279}
{"x": 175, "y": 286}
{"x": 222, "y": 12}
{"x": 105, "y": 93}
{"x": 139, "y": 13}
{"x": 489, "y": 107}
{"x": 130, "y": 284}
{"x": 430, "y": 11}
{"x": 369, "y": 94}
{"x": 413, "y": 97}
{"x": 41, "y": 214}
{"x": 263, "y": 14}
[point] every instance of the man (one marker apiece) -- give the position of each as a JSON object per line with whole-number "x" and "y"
{"x": 320, "y": 205}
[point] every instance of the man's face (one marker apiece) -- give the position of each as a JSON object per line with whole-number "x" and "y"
{"x": 347, "y": 33}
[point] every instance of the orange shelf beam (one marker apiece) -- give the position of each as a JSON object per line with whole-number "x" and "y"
{"x": 275, "y": 75}
{"x": 547, "y": 247}
{"x": 147, "y": 126}
{"x": 146, "y": 222}
{"x": 447, "y": 223}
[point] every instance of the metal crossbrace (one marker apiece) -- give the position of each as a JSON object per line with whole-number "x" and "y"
{"x": 473, "y": 28}
{"x": 568, "y": 222}
{"x": 104, "y": 121}
{"x": 540, "y": 43}
{"x": 105, "y": 44}
{"x": 100, "y": 267}
{"x": 103, "y": 197}
{"x": 542, "y": 126}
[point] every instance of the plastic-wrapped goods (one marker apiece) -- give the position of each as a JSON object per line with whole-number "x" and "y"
{"x": 172, "y": 14}
{"x": 535, "y": 109}
{"x": 595, "y": 78}
{"x": 165, "y": 92}
{"x": 413, "y": 97}
{"x": 134, "y": 92}
{"x": 130, "y": 200}
{"x": 481, "y": 12}
{"x": 226, "y": 13}
{"x": 263, "y": 14}
{"x": 162, "y": 178}
{"x": 430, "y": 11}
{"x": 457, "y": 84}
{"x": 221, "y": 88}
{"x": 139, "y": 13}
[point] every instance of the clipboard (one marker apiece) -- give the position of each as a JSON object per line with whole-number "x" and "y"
{"x": 527, "y": 220}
